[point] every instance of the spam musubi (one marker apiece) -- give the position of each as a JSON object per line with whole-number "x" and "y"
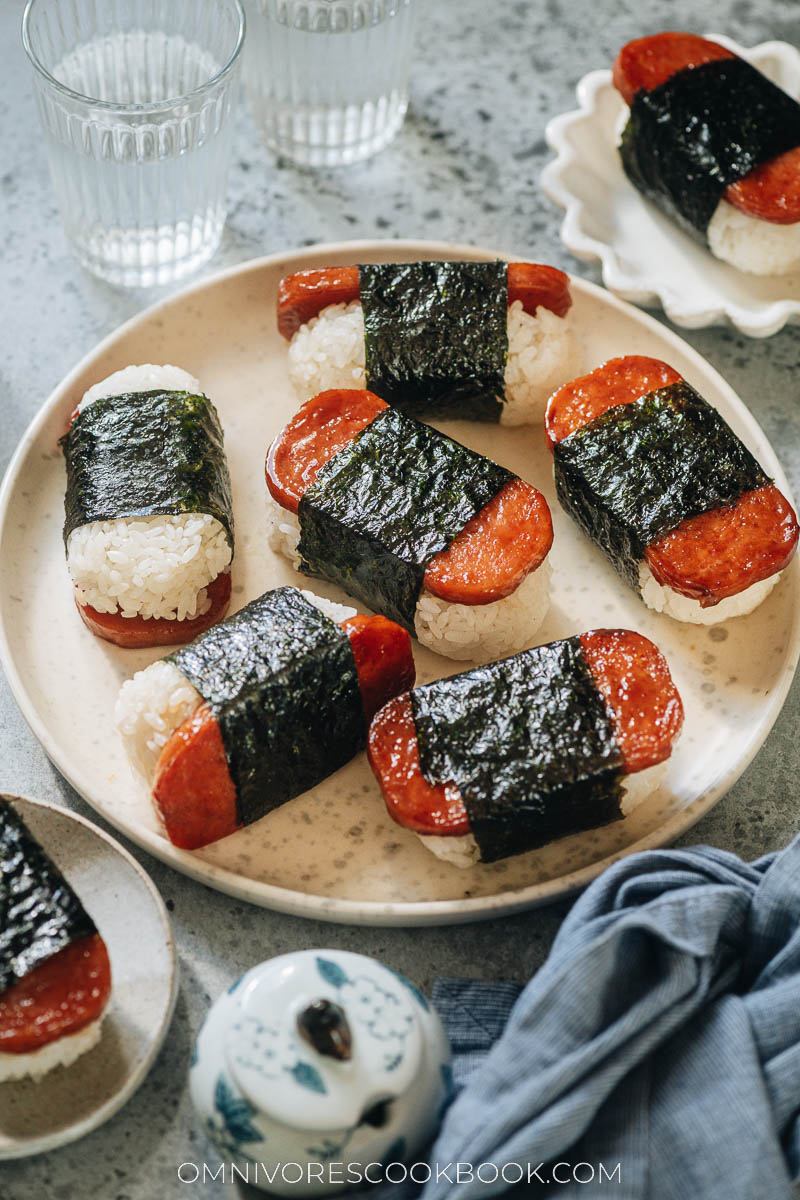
{"x": 661, "y": 483}
{"x": 148, "y": 524}
{"x": 55, "y": 976}
{"x": 715, "y": 145}
{"x": 482, "y": 340}
{"x": 507, "y": 757}
{"x": 413, "y": 524}
{"x": 258, "y": 709}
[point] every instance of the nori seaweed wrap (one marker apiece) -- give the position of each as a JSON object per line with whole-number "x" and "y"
{"x": 382, "y": 507}
{"x": 639, "y": 470}
{"x": 529, "y": 744}
{"x": 39, "y": 912}
{"x": 146, "y": 454}
{"x": 281, "y": 680}
{"x": 436, "y": 336}
{"x": 706, "y": 127}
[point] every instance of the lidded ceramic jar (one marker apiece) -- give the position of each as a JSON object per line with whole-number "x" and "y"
{"x": 316, "y": 1064}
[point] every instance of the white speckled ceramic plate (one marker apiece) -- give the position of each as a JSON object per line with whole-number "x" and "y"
{"x": 333, "y": 852}
{"x": 646, "y": 257}
{"x": 129, "y": 913}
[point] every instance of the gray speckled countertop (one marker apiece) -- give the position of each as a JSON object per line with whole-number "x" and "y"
{"x": 464, "y": 168}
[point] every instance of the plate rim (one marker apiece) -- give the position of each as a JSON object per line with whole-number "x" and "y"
{"x": 120, "y": 1098}
{"x": 373, "y": 912}
{"x": 762, "y": 320}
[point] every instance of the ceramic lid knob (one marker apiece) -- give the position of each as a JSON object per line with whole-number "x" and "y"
{"x": 324, "y": 1026}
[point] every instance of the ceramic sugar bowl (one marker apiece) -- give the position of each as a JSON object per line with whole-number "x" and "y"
{"x": 314, "y": 1066}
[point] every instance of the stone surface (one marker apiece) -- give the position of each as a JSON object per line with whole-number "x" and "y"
{"x": 486, "y": 78}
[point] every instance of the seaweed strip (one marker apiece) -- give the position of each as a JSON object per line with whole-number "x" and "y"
{"x": 381, "y": 508}
{"x": 436, "y": 336}
{"x": 39, "y": 912}
{"x": 639, "y": 470}
{"x": 281, "y": 680}
{"x": 529, "y": 744}
{"x": 703, "y": 129}
{"x": 146, "y": 454}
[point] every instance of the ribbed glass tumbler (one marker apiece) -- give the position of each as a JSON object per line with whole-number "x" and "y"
{"x": 327, "y": 80}
{"x": 137, "y": 99}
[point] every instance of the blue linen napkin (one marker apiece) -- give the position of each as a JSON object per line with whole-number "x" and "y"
{"x": 662, "y": 1034}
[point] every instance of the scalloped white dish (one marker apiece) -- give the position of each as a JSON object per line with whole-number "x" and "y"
{"x": 334, "y": 853}
{"x": 645, "y": 257}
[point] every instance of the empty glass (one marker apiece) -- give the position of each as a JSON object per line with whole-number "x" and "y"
{"x": 327, "y": 80}
{"x": 136, "y": 99}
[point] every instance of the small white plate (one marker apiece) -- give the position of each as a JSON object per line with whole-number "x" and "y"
{"x": 333, "y": 853}
{"x": 130, "y": 915}
{"x": 646, "y": 257}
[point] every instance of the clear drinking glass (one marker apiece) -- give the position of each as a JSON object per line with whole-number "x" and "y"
{"x": 137, "y": 99}
{"x": 327, "y": 80}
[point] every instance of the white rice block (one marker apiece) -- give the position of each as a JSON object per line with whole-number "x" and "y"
{"x": 150, "y": 707}
{"x": 156, "y": 701}
{"x": 543, "y": 353}
{"x": 752, "y": 245}
{"x": 469, "y": 632}
{"x": 283, "y": 531}
{"x": 328, "y": 352}
{"x": 464, "y": 852}
{"x": 60, "y": 1053}
{"x": 683, "y": 608}
{"x": 460, "y": 851}
{"x": 640, "y": 785}
{"x": 151, "y": 567}
{"x": 148, "y": 377}
{"x": 483, "y": 632}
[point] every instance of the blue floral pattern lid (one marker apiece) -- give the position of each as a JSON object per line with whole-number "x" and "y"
{"x": 318, "y": 1037}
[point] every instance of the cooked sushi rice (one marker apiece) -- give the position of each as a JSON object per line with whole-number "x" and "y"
{"x": 468, "y": 632}
{"x": 684, "y": 608}
{"x": 156, "y": 701}
{"x": 463, "y": 851}
{"x": 60, "y": 1053}
{"x": 328, "y": 352}
{"x": 147, "y": 566}
{"x": 755, "y": 246}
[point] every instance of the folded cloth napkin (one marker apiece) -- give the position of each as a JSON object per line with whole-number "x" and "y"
{"x": 662, "y": 1034}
